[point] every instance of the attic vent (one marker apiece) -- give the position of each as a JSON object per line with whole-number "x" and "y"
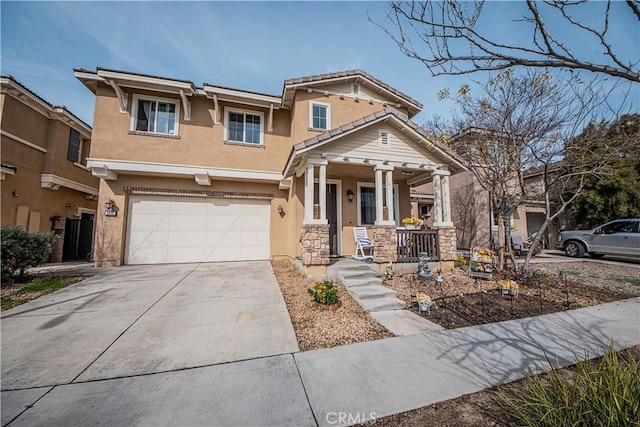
{"x": 384, "y": 138}
{"x": 355, "y": 88}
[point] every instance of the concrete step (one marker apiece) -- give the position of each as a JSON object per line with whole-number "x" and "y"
{"x": 382, "y": 304}
{"x": 364, "y": 281}
{"x": 368, "y": 292}
{"x": 353, "y": 274}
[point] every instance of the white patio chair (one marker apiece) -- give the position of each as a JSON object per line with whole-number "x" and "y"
{"x": 363, "y": 243}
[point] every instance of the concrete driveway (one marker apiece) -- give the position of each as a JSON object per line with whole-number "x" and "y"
{"x": 138, "y": 320}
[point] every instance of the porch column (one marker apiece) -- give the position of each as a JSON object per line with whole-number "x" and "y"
{"x": 389, "y": 184}
{"x": 446, "y": 201}
{"x": 322, "y": 193}
{"x": 380, "y": 195}
{"x": 308, "y": 193}
{"x": 379, "y": 210}
{"x": 437, "y": 200}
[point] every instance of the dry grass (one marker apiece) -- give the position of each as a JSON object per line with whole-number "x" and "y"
{"x": 317, "y": 327}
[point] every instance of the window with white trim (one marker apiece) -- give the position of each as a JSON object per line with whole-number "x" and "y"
{"x": 244, "y": 126}
{"x": 155, "y": 115}
{"x": 367, "y": 203}
{"x": 319, "y": 115}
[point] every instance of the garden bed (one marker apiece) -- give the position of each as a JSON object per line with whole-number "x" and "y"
{"x": 314, "y": 324}
{"x": 14, "y": 294}
{"x": 463, "y": 301}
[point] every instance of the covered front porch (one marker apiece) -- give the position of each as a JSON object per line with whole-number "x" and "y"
{"x": 360, "y": 175}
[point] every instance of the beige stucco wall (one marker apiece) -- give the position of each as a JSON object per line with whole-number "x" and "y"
{"x": 111, "y": 231}
{"x": 52, "y": 135}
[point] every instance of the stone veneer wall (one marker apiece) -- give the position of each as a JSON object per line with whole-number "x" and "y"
{"x": 385, "y": 244}
{"x": 315, "y": 244}
{"x": 447, "y": 243}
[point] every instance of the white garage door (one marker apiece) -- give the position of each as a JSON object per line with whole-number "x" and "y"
{"x": 183, "y": 229}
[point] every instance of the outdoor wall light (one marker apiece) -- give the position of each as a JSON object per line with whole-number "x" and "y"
{"x": 109, "y": 204}
{"x": 280, "y": 210}
{"x": 350, "y": 195}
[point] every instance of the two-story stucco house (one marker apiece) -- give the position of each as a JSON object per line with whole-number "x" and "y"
{"x": 209, "y": 173}
{"x": 46, "y": 184}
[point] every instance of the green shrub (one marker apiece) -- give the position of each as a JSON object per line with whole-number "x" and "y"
{"x": 324, "y": 292}
{"x": 604, "y": 393}
{"x": 22, "y": 250}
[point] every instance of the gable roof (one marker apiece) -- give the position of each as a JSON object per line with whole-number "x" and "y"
{"x": 357, "y": 75}
{"x": 388, "y": 114}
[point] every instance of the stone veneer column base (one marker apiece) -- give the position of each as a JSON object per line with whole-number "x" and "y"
{"x": 447, "y": 243}
{"x": 314, "y": 239}
{"x": 385, "y": 244}
{"x": 57, "y": 226}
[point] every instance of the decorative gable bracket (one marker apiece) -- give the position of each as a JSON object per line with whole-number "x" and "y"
{"x": 122, "y": 95}
{"x": 186, "y": 105}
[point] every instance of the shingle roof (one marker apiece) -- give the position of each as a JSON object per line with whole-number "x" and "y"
{"x": 350, "y": 73}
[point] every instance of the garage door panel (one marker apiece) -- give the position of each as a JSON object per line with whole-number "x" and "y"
{"x": 179, "y": 229}
{"x": 151, "y": 239}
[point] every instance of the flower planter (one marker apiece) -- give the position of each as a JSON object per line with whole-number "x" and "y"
{"x": 334, "y": 307}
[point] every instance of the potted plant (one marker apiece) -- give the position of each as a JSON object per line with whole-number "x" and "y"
{"x": 326, "y": 293}
{"x": 411, "y": 222}
{"x": 424, "y": 302}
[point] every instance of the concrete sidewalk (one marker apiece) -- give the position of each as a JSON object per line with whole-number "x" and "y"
{"x": 324, "y": 387}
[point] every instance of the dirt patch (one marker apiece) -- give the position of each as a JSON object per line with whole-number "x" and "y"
{"x": 463, "y": 301}
{"x": 317, "y": 327}
{"x": 14, "y": 294}
{"x": 483, "y": 408}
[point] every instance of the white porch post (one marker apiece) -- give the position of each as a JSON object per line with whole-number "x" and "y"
{"x": 380, "y": 195}
{"x": 446, "y": 201}
{"x": 437, "y": 200}
{"x": 308, "y": 193}
{"x": 389, "y": 184}
{"x": 379, "y": 217}
{"x": 322, "y": 193}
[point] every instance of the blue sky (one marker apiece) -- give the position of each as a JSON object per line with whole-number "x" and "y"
{"x": 251, "y": 46}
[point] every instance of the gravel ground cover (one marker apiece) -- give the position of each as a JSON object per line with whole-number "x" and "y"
{"x": 464, "y": 302}
{"x": 317, "y": 327}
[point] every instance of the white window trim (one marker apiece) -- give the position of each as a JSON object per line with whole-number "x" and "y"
{"x": 380, "y": 144}
{"x": 495, "y": 227}
{"x": 227, "y": 111}
{"x": 373, "y": 185}
{"x": 319, "y": 104}
{"x": 134, "y": 113}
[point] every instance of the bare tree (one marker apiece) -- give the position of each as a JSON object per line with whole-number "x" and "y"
{"x": 521, "y": 121}
{"x": 449, "y": 37}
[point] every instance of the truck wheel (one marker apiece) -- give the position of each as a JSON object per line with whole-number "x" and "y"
{"x": 574, "y": 249}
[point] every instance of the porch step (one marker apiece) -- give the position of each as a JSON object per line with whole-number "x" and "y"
{"x": 381, "y": 304}
{"x": 349, "y": 282}
{"x": 357, "y": 275}
{"x": 369, "y": 292}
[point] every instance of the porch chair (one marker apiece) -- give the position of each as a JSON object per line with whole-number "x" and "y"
{"x": 363, "y": 243}
{"x": 518, "y": 245}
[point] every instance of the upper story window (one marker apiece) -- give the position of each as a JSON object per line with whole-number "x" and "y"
{"x": 155, "y": 115}
{"x": 320, "y": 115}
{"x": 74, "y": 150}
{"x": 244, "y": 126}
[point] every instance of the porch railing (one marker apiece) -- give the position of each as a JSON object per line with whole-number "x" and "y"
{"x": 412, "y": 242}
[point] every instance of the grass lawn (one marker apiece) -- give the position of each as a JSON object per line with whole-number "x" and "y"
{"x": 19, "y": 293}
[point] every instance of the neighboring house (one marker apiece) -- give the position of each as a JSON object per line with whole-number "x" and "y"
{"x": 211, "y": 173}
{"x": 471, "y": 212}
{"x": 44, "y": 175}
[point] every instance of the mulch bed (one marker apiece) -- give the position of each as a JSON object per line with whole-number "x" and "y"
{"x": 315, "y": 326}
{"x": 464, "y": 302}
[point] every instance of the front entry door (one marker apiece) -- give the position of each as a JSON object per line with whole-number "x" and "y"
{"x": 332, "y": 215}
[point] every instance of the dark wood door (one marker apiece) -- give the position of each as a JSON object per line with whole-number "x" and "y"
{"x": 332, "y": 217}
